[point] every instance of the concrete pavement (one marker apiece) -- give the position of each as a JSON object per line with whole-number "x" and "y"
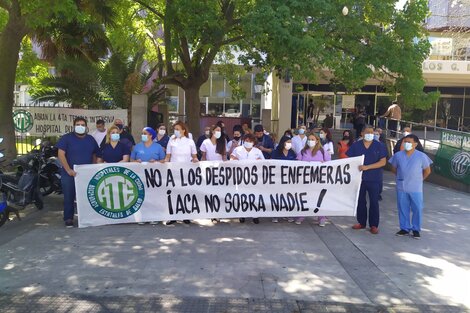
{"x": 232, "y": 267}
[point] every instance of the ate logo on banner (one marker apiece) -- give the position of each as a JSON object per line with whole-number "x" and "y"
{"x": 23, "y": 121}
{"x": 460, "y": 164}
{"x": 116, "y": 192}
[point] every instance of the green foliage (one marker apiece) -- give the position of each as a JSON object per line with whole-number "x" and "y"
{"x": 30, "y": 68}
{"x": 3, "y": 19}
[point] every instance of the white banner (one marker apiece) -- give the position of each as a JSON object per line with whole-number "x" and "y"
{"x": 134, "y": 192}
{"x": 38, "y": 121}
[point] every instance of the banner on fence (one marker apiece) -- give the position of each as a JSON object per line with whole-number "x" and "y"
{"x": 453, "y": 156}
{"x": 58, "y": 121}
{"x": 135, "y": 192}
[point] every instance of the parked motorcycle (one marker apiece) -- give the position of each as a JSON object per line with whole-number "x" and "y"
{"x": 49, "y": 175}
{"x": 19, "y": 190}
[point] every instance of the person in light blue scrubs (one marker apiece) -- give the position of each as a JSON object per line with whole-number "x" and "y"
{"x": 147, "y": 150}
{"x": 411, "y": 167}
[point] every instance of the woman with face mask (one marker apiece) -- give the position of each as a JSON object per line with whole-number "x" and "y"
{"x": 215, "y": 147}
{"x": 113, "y": 151}
{"x": 162, "y": 137}
{"x": 326, "y": 141}
{"x": 236, "y": 141}
{"x": 283, "y": 151}
{"x": 313, "y": 152}
{"x": 344, "y": 144}
{"x": 247, "y": 151}
{"x": 181, "y": 149}
{"x": 147, "y": 150}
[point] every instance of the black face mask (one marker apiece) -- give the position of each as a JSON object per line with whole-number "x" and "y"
{"x": 345, "y": 137}
{"x": 120, "y": 126}
{"x": 237, "y": 138}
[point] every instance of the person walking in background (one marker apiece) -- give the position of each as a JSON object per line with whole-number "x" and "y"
{"x": 399, "y": 145}
{"x": 181, "y": 149}
{"x": 147, "y": 150}
{"x": 162, "y": 136}
{"x": 100, "y": 132}
{"x": 285, "y": 152}
{"x": 313, "y": 152}
{"x": 236, "y": 140}
{"x": 114, "y": 151}
{"x": 299, "y": 140}
{"x": 247, "y": 151}
{"x": 265, "y": 143}
{"x": 344, "y": 144}
{"x": 75, "y": 148}
{"x": 394, "y": 115}
{"x": 328, "y": 121}
{"x": 359, "y": 122}
{"x": 375, "y": 158}
{"x": 411, "y": 167}
{"x": 327, "y": 141}
{"x": 379, "y": 135}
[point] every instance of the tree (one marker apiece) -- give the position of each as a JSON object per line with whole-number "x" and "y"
{"x": 34, "y": 18}
{"x": 300, "y": 37}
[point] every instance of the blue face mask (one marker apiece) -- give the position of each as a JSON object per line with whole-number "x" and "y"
{"x": 369, "y": 137}
{"x": 145, "y": 138}
{"x": 115, "y": 137}
{"x": 376, "y": 137}
{"x": 408, "y": 146}
{"x": 301, "y": 131}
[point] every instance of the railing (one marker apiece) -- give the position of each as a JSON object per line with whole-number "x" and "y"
{"x": 429, "y": 135}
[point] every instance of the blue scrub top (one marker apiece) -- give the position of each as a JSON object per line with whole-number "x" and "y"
{"x": 114, "y": 155}
{"x": 373, "y": 154}
{"x": 280, "y": 155}
{"x": 78, "y": 150}
{"x": 410, "y": 170}
{"x": 268, "y": 143}
{"x": 145, "y": 154}
{"x": 163, "y": 142}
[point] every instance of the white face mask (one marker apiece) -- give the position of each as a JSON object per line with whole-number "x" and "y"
{"x": 369, "y": 137}
{"x": 144, "y": 138}
{"x": 248, "y": 145}
{"x": 312, "y": 143}
{"x": 288, "y": 145}
{"x": 177, "y": 134}
{"x": 408, "y": 146}
{"x": 79, "y": 129}
{"x": 207, "y": 132}
{"x": 217, "y": 134}
{"x": 161, "y": 132}
{"x": 406, "y": 134}
{"x": 322, "y": 136}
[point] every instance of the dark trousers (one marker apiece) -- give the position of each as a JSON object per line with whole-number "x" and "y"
{"x": 68, "y": 189}
{"x": 372, "y": 189}
{"x": 392, "y": 126}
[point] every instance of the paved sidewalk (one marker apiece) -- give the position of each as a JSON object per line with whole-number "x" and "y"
{"x": 232, "y": 267}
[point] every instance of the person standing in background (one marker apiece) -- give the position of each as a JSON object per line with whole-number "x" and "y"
{"x": 344, "y": 144}
{"x": 327, "y": 141}
{"x": 399, "y": 145}
{"x": 394, "y": 115}
{"x": 200, "y": 140}
{"x": 100, "y": 132}
{"x": 299, "y": 140}
{"x": 236, "y": 141}
{"x": 162, "y": 137}
{"x": 265, "y": 143}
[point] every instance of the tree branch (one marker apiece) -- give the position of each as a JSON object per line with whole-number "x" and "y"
{"x": 5, "y": 4}
{"x": 185, "y": 56}
{"x": 151, "y": 9}
{"x": 231, "y": 40}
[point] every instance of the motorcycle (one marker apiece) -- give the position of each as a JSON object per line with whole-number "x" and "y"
{"x": 20, "y": 189}
{"x": 49, "y": 175}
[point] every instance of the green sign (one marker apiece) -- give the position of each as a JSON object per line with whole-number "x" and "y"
{"x": 453, "y": 156}
{"x": 23, "y": 121}
{"x": 116, "y": 192}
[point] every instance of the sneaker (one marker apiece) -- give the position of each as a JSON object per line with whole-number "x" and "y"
{"x": 374, "y": 230}
{"x": 322, "y": 221}
{"x": 242, "y": 220}
{"x": 380, "y": 197}
{"x": 256, "y": 220}
{"x": 416, "y": 234}
{"x": 402, "y": 233}
{"x": 69, "y": 224}
{"x": 170, "y": 222}
{"x": 299, "y": 220}
{"x": 141, "y": 223}
{"x": 358, "y": 226}
{"x": 275, "y": 220}
{"x": 187, "y": 221}
{"x": 215, "y": 220}
{"x": 154, "y": 223}
{"x": 290, "y": 219}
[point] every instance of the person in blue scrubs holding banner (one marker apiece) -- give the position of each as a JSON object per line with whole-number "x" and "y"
{"x": 375, "y": 158}
{"x": 148, "y": 150}
{"x": 412, "y": 167}
{"x": 114, "y": 151}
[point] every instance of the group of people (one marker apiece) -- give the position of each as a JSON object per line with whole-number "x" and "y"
{"x": 115, "y": 144}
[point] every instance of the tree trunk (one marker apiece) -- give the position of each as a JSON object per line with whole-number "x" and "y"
{"x": 193, "y": 110}
{"x": 10, "y": 43}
